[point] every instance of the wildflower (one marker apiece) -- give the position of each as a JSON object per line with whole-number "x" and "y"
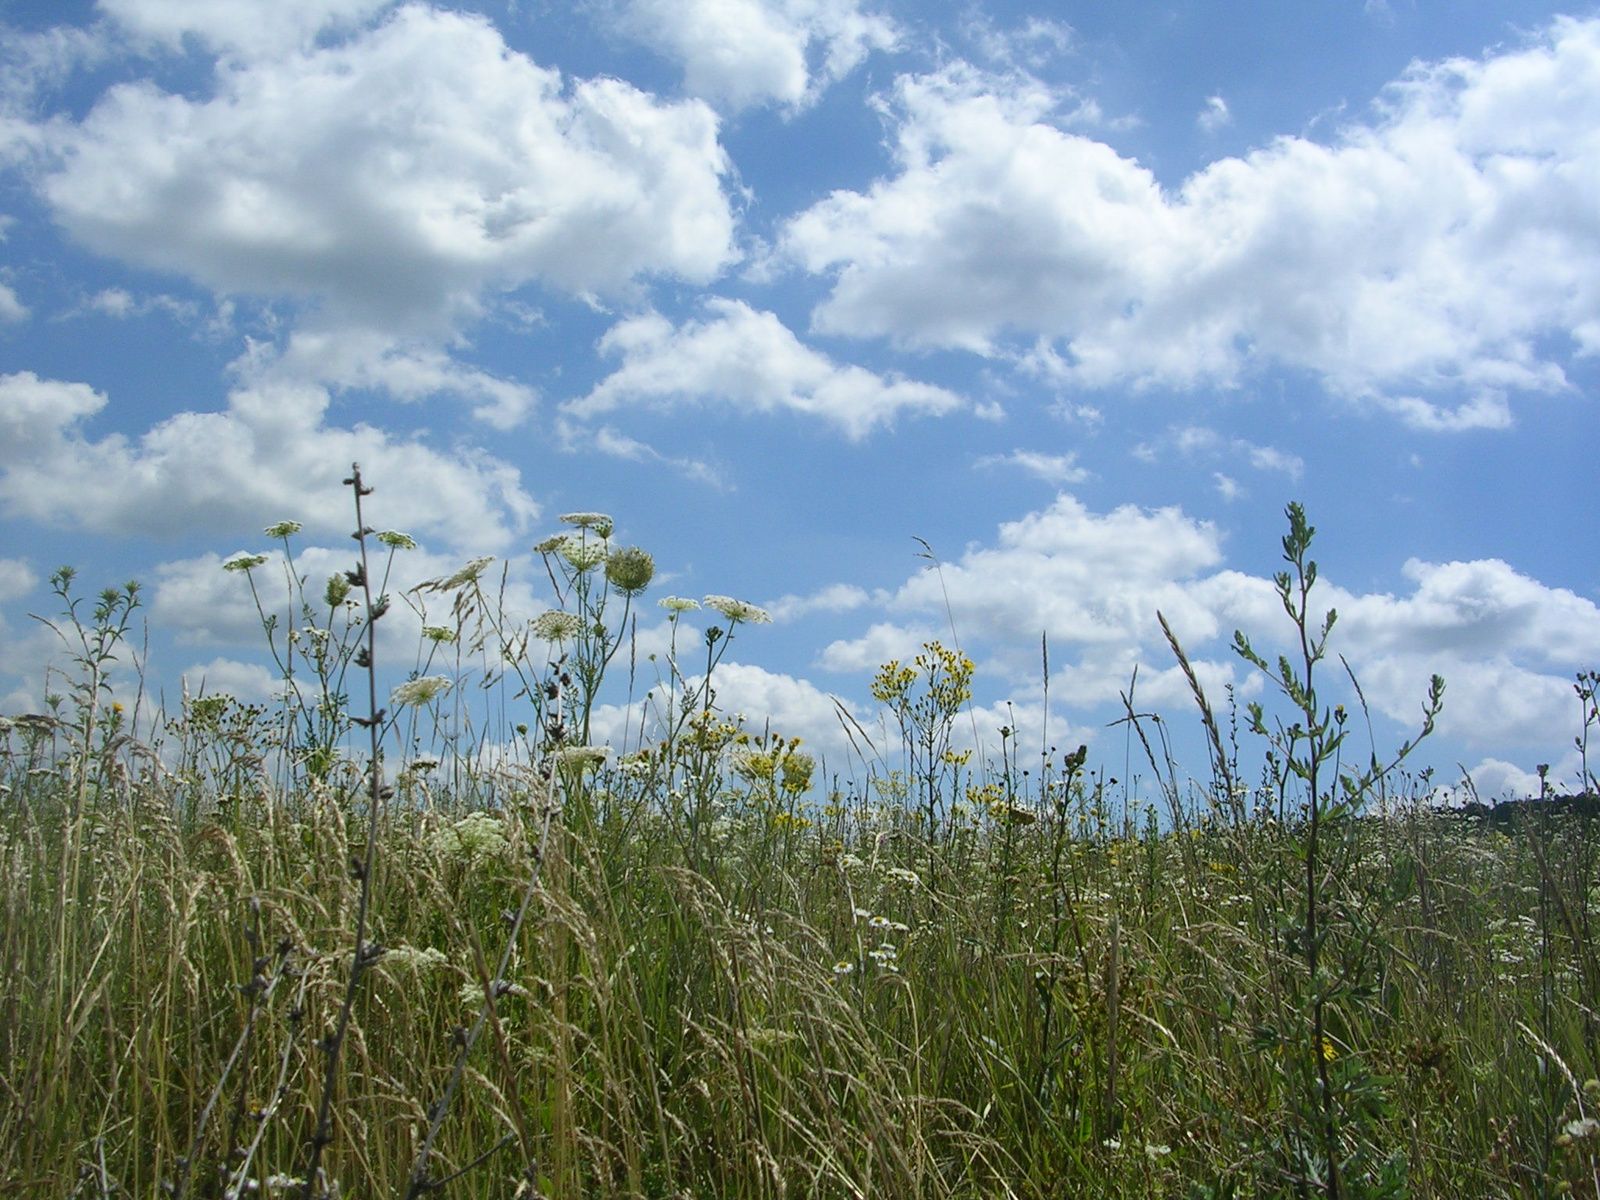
{"x": 243, "y": 561}
{"x": 850, "y": 862}
{"x": 410, "y": 957}
{"x": 551, "y": 544}
{"x": 475, "y": 837}
{"x": 283, "y": 1183}
{"x": 860, "y": 914}
{"x": 879, "y": 922}
{"x": 1156, "y": 1150}
{"x": 396, "y": 540}
{"x": 583, "y": 554}
{"x": 678, "y": 604}
{"x": 579, "y": 756}
{"x": 1579, "y": 1130}
{"x": 283, "y": 529}
{"x": 738, "y": 610}
{"x": 557, "y": 626}
{"x": 599, "y": 522}
{"x": 425, "y": 690}
{"x": 902, "y": 875}
{"x": 630, "y": 570}
{"x": 842, "y": 968}
{"x": 337, "y": 591}
{"x": 797, "y": 769}
{"x": 438, "y": 633}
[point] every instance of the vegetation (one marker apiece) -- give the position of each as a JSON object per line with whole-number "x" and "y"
{"x": 464, "y": 952}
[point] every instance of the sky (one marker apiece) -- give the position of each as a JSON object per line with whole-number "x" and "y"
{"x": 992, "y": 323}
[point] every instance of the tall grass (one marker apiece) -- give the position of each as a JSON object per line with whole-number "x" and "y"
{"x": 695, "y": 969}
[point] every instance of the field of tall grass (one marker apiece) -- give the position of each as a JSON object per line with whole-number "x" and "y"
{"x": 340, "y": 945}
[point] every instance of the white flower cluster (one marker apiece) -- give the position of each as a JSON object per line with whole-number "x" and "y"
{"x": 737, "y": 610}
{"x": 407, "y": 957}
{"x": 421, "y": 691}
{"x": 474, "y": 838}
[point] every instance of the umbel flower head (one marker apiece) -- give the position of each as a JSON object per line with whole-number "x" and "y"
{"x": 243, "y": 561}
{"x": 583, "y": 554}
{"x": 737, "y": 610}
{"x": 678, "y": 604}
{"x": 630, "y": 571}
{"x": 554, "y": 625}
{"x": 599, "y": 522}
{"x": 283, "y": 529}
{"x": 420, "y": 691}
{"x": 396, "y": 540}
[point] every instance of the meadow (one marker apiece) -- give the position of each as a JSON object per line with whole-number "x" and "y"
{"x": 340, "y": 945}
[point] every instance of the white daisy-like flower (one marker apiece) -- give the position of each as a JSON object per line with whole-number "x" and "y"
{"x": 420, "y": 691}
{"x": 738, "y": 610}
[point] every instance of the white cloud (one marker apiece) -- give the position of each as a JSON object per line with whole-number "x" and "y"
{"x": 11, "y": 308}
{"x": 783, "y": 703}
{"x": 1052, "y": 468}
{"x": 1029, "y": 45}
{"x": 1506, "y": 644}
{"x": 392, "y": 184}
{"x": 1428, "y": 254}
{"x": 835, "y": 598}
{"x": 750, "y": 360}
{"x": 270, "y": 456}
{"x": 741, "y": 53}
{"x": 247, "y": 682}
{"x": 249, "y": 26}
{"x": 1214, "y": 115}
{"x": 17, "y": 578}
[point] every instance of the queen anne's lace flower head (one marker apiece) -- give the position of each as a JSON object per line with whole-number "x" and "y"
{"x": 420, "y": 691}
{"x": 583, "y": 554}
{"x": 678, "y": 604}
{"x": 283, "y": 529}
{"x": 396, "y": 540}
{"x": 737, "y": 610}
{"x": 554, "y": 625}
{"x": 630, "y": 570}
{"x": 243, "y": 561}
{"x": 599, "y": 522}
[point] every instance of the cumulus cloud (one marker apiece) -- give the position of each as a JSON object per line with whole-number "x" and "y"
{"x": 17, "y": 578}
{"x": 787, "y": 705}
{"x": 271, "y": 452}
{"x": 240, "y": 26}
{"x": 749, "y": 360}
{"x": 1435, "y": 257}
{"x": 835, "y": 598}
{"x": 742, "y": 53}
{"x": 1506, "y": 644}
{"x": 391, "y": 184}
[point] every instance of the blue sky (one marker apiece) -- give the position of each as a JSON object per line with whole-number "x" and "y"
{"x": 1080, "y": 295}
